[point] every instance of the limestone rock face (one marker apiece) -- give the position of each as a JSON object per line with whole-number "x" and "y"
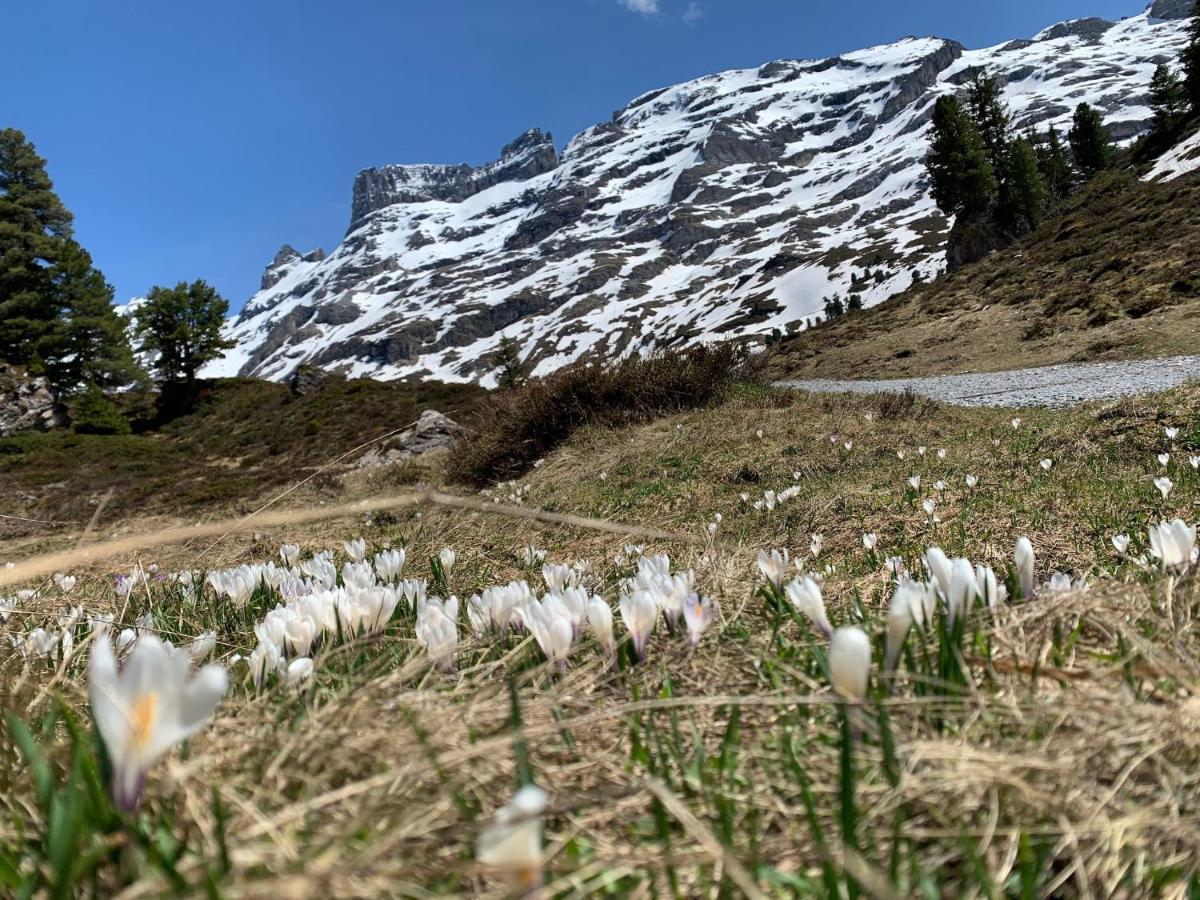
{"x": 27, "y": 403}
{"x": 432, "y": 431}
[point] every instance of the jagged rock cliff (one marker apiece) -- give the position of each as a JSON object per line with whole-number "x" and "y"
{"x": 728, "y": 205}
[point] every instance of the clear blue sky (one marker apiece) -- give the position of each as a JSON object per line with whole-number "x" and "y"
{"x": 191, "y": 139}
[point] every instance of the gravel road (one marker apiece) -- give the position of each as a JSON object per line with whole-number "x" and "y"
{"x": 1060, "y": 385}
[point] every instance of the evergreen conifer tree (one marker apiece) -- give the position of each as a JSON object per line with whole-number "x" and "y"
{"x": 963, "y": 181}
{"x": 1190, "y": 58}
{"x": 35, "y": 228}
{"x": 508, "y": 361}
{"x": 182, "y": 325}
{"x": 1055, "y": 166}
{"x": 1027, "y": 193}
{"x": 990, "y": 117}
{"x": 1167, "y": 98}
{"x": 1090, "y": 144}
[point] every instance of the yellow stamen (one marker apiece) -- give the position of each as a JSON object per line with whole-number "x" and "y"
{"x": 145, "y": 709}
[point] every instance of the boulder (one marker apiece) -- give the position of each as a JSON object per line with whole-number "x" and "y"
{"x": 432, "y": 431}
{"x": 28, "y": 403}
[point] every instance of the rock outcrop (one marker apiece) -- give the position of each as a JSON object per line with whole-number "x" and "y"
{"x": 432, "y": 431}
{"x": 27, "y": 403}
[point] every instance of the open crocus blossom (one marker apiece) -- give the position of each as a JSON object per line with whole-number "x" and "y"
{"x": 1171, "y": 433}
{"x": 1120, "y": 543}
{"x": 805, "y": 595}
{"x": 1164, "y": 459}
{"x": 972, "y": 482}
{"x": 915, "y": 482}
{"x": 290, "y": 554}
{"x": 1194, "y": 461}
{"x": 1046, "y": 464}
{"x": 1023, "y": 557}
{"x": 446, "y": 557}
{"x": 1173, "y": 543}
{"x": 355, "y": 549}
{"x": 698, "y": 613}
{"x": 512, "y": 845}
{"x": 147, "y": 707}
{"x": 850, "y": 663}
{"x": 773, "y": 565}
{"x": 870, "y": 539}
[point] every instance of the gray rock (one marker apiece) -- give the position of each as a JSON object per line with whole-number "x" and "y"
{"x": 1172, "y": 9}
{"x": 432, "y": 431}
{"x": 28, "y": 403}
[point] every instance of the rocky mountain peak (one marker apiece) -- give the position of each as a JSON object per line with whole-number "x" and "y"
{"x": 532, "y": 153}
{"x": 287, "y": 256}
{"x": 1171, "y": 9}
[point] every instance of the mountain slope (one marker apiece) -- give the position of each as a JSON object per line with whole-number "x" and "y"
{"x": 1113, "y": 277}
{"x": 731, "y": 204}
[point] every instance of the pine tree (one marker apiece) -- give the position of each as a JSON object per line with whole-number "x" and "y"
{"x": 834, "y": 307}
{"x": 87, "y": 344}
{"x": 1055, "y": 166}
{"x": 182, "y": 325}
{"x": 1089, "y": 141}
{"x": 1190, "y": 58}
{"x": 508, "y": 361}
{"x": 990, "y": 117}
{"x": 964, "y": 182}
{"x": 35, "y": 228}
{"x": 1028, "y": 195}
{"x": 1167, "y": 98}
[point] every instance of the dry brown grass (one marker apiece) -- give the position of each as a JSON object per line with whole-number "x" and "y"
{"x": 1076, "y": 742}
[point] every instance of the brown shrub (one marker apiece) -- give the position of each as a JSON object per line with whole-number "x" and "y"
{"x": 516, "y": 427}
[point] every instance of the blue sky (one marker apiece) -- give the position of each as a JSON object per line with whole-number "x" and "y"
{"x": 192, "y": 139}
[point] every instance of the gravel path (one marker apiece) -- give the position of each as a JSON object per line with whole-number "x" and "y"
{"x": 1060, "y": 385}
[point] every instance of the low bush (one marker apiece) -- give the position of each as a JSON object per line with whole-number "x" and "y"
{"x": 516, "y": 427}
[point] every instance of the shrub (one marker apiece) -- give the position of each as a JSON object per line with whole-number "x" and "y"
{"x": 93, "y": 413}
{"x": 515, "y": 428}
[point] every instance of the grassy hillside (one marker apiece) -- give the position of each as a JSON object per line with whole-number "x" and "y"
{"x": 1052, "y": 751}
{"x": 1116, "y": 276}
{"x": 246, "y": 437}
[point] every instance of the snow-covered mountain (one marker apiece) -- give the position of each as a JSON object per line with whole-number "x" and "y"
{"x": 728, "y": 205}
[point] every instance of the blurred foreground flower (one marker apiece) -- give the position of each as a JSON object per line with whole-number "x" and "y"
{"x": 850, "y": 663}
{"x": 146, "y": 708}
{"x": 512, "y": 845}
{"x": 1174, "y": 543}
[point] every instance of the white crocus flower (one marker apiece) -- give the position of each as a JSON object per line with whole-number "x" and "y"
{"x": 773, "y": 565}
{"x": 921, "y": 451}
{"x": 1171, "y": 433}
{"x": 915, "y": 482}
{"x": 698, "y": 614}
{"x": 600, "y": 618}
{"x": 939, "y": 486}
{"x": 805, "y": 595}
{"x": 850, "y": 663}
{"x": 929, "y": 505}
{"x": 816, "y": 542}
{"x": 939, "y": 568}
{"x": 512, "y": 844}
{"x": 1173, "y": 543}
{"x": 355, "y": 549}
{"x": 900, "y": 455}
{"x": 911, "y": 605}
{"x": 1059, "y": 583}
{"x": 989, "y": 589}
{"x": 437, "y": 633}
{"x": 1023, "y": 557}
{"x": 299, "y": 671}
{"x": 1164, "y": 459}
{"x": 849, "y": 445}
{"x": 532, "y": 556}
{"x": 1121, "y": 543}
{"x": 1046, "y": 464}
{"x": 204, "y": 644}
{"x": 65, "y": 582}
{"x": 972, "y": 481}
{"x": 1164, "y": 485}
{"x": 639, "y": 612}
{"x": 869, "y": 540}
{"x": 1016, "y": 423}
{"x": 446, "y": 557}
{"x": 290, "y": 554}
{"x": 963, "y": 589}
{"x": 147, "y": 707}
{"x": 126, "y": 639}
{"x": 389, "y": 564}
{"x": 1195, "y": 461}
{"x": 941, "y": 454}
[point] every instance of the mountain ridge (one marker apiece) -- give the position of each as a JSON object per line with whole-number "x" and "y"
{"x": 726, "y": 205}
